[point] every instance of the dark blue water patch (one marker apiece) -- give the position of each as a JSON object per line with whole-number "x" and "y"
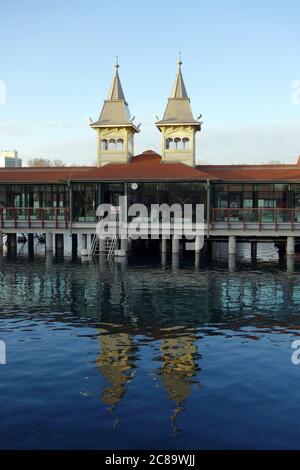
{"x": 140, "y": 355}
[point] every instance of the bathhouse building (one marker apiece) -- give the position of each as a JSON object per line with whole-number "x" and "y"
{"x": 241, "y": 202}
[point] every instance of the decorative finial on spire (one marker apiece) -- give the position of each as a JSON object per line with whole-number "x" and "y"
{"x": 117, "y": 63}
{"x": 179, "y": 61}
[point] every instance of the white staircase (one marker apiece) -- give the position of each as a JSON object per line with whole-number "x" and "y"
{"x": 112, "y": 247}
{"x": 110, "y": 241}
{"x": 108, "y": 246}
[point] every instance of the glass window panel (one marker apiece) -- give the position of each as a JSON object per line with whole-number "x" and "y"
{"x": 221, "y": 188}
{"x": 235, "y": 188}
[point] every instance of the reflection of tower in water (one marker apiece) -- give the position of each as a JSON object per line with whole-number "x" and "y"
{"x": 179, "y": 355}
{"x": 116, "y": 364}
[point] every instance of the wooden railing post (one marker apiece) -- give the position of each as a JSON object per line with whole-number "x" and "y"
{"x": 42, "y": 216}
{"x": 11, "y": 215}
{"x": 260, "y": 218}
{"x": 256, "y": 215}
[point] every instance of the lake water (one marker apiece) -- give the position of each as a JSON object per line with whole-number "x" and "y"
{"x": 138, "y": 355}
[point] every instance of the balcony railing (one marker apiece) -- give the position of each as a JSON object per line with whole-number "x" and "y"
{"x": 258, "y": 216}
{"x": 31, "y": 217}
{"x": 58, "y": 217}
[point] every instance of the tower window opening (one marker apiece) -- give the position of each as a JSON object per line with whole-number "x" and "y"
{"x": 169, "y": 143}
{"x": 104, "y": 144}
{"x": 111, "y": 144}
{"x": 186, "y": 143}
{"x": 120, "y": 144}
{"x": 177, "y": 143}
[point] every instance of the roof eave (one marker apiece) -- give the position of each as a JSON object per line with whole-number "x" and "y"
{"x": 98, "y": 125}
{"x": 178, "y": 123}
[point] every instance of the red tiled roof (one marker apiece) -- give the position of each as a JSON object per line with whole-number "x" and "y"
{"x": 279, "y": 173}
{"x": 144, "y": 167}
{"x": 148, "y": 167}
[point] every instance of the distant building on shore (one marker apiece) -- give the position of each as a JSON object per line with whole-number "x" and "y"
{"x": 10, "y": 159}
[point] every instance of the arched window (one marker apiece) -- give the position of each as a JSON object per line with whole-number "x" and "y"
{"x": 186, "y": 143}
{"x": 169, "y": 143}
{"x": 111, "y": 144}
{"x": 120, "y": 144}
{"x": 104, "y": 144}
{"x": 177, "y": 142}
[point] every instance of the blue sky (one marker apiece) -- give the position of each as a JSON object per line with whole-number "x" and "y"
{"x": 240, "y": 60}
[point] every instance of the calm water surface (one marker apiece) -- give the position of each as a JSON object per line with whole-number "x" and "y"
{"x": 141, "y": 355}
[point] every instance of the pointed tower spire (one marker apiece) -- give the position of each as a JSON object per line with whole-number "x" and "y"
{"x": 115, "y": 109}
{"x": 179, "y": 90}
{"x": 178, "y": 125}
{"x": 116, "y": 90}
{"x": 178, "y": 109}
{"x": 115, "y": 128}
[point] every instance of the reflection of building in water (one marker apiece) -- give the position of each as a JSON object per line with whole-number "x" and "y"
{"x": 116, "y": 363}
{"x": 179, "y": 356}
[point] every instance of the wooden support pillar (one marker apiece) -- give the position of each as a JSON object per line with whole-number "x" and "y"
{"x": 175, "y": 260}
{"x": 84, "y": 250}
{"x": 281, "y": 250}
{"x": 12, "y": 243}
{"x": 124, "y": 244}
{"x": 49, "y": 241}
{"x": 59, "y": 243}
{"x": 231, "y": 245}
{"x": 290, "y": 245}
{"x": 30, "y": 242}
{"x": 290, "y": 262}
{"x": 198, "y": 243}
{"x": 74, "y": 244}
{"x": 163, "y": 258}
{"x": 197, "y": 259}
{"x": 49, "y": 259}
{"x": 122, "y": 251}
{"x": 231, "y": 262}
{"x": 164, "y": 245}
{"x": 175, "y": 245}
{"x": 253, "y": 251}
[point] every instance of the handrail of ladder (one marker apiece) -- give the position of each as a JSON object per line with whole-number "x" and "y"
{"x": 112, "y": 245}
{"x": 114, "y": 237}
{"x": 93, "y": 244}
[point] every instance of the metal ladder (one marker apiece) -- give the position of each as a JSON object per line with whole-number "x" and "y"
{"x": 94, "y": 248}
{"x": 110, "y": 244}
{"x": 114, "y": 240}
{"x": 113, "y": 243}
{"x": 95, "y": 245}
